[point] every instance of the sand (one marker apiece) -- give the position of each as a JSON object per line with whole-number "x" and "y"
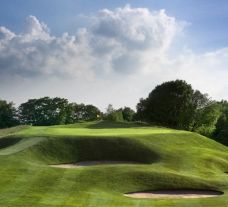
{"x": 91, "y": 163}
{"x": 174, "y": 194}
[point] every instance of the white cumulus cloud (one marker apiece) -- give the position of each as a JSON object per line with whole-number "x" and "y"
{"x": 115, "y": 41}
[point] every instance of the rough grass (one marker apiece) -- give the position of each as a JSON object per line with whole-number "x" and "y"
{"x": 168, "y": 159}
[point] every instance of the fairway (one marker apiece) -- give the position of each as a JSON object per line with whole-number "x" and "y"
{"x": 112, "y": 160}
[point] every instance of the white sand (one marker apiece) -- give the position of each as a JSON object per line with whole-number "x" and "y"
{"x": 174, "y": 194}
{"x": 91, "y": 163}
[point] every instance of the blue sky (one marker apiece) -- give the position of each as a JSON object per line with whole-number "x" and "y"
{"x": 208, "y": 18}
{"x": 93, "y": 52}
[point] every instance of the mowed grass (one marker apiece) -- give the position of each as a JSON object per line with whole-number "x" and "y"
{"x": 165, "y": 159}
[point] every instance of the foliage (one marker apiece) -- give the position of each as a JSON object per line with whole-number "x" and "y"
{"x": 176, "y": 104}
{"x": 44, "y": 111}
{"x": 53, "y": 111}
{"x": 169, "y": 104}
{"x": 221, "y": 131}
{"x": 116, "y": 115}
{"x": 110, "y": 109}
{"x": 128, "y": 114}
{"x": 206, "y": 119}
{"x": 142, "y": 108}
{"x": 113, "y": 115}
{"x": 82, "y": 112}
{"x": 122, "y": 114}
{"x": 7, "y": 114}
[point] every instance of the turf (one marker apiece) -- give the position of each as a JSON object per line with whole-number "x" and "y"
{"x": 166, "y": 159}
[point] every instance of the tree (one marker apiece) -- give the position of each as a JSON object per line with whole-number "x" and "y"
{"x": 221, "y": 127}
{"x": 206, "y": 114}
{"x": 7, "y": 114}
{"x": 44, "y": 111}
{"x": 110, "y": 109}
{"x": 113, "y": 115}
{"x": 200, "y": 101}
{"x": 92, "y": 113}
{"x": 141, "y": 110}
{"x": 206, "y": 119}
{"x": 169, "y": 104}
{"x": 176, "y": 104}
{"x": 84, "y": 112}
{"x": 128, "y": 114}
{"x": 54, "y": 111}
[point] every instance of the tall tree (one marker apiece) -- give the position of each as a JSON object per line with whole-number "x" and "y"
{"x": 169, "y": 104}
{"x": 128, "y": 114}
{"x": 110, "y": 109}
{"x": 113, "y": 115}
{"x": 141, "y": 110}
{"x": 221, "y": 130}
{"x": 84, "y": 112}
{"x": 206, "y": 118}
{"x": 44, "y": 111}
{"x": 7, "y": 114}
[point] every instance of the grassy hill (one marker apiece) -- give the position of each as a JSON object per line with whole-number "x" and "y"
{"x": 164, "y": 159}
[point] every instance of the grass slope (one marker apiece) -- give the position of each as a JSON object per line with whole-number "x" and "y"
{"x": 166, "y": 159}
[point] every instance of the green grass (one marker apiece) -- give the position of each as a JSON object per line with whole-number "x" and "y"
{"x": 165, "y": 159}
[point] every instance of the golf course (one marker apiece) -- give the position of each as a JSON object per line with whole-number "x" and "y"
{"x": 111, "y": 164}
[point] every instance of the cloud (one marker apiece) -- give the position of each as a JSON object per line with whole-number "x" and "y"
{"x": 123, "y": 36}
{"x": 35, "y": 52}
{"x": 114, "y": 41}
{"x": 6, "y": 34}
{"x": 35, "y": 30}
{"x": 120, "y": 56}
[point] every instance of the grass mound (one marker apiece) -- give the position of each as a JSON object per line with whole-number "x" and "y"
{"x": 71, "y": 150}
{"x": 163, "y": 159}
{"x": 12, "y": 145}
{"x": 8, "y": 141}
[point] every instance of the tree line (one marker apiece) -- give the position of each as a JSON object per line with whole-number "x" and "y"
{"x": 48, "y": 111}
{"x": 172, "y": 104}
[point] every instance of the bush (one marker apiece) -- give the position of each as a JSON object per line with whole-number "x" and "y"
{"x": 115, "y": 116}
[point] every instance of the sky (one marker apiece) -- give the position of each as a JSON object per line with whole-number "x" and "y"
{"x": 111, "y": 52}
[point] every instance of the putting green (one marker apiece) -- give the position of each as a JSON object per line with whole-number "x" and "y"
{"x": 150, "y": 159}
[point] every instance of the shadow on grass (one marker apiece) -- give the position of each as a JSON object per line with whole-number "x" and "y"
{"x": 8, "y": 141}
{"x": 71, "y": 150}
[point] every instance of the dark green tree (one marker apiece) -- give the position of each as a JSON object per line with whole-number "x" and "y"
{"x": 141, "y": 110}
{"x": 221, "y": 127}
{"x": 82, "y": 112}
{"x": 44, "y": 111}
{"x": 169, "y": 104}
{"x": 92, "y": 113}
{"x": 128, "y": 113}
{"x": 7, "y": 114}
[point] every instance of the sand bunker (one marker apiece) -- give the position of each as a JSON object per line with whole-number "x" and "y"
{"x": 175, "y": 194}
{"x": 91, "y": 163}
